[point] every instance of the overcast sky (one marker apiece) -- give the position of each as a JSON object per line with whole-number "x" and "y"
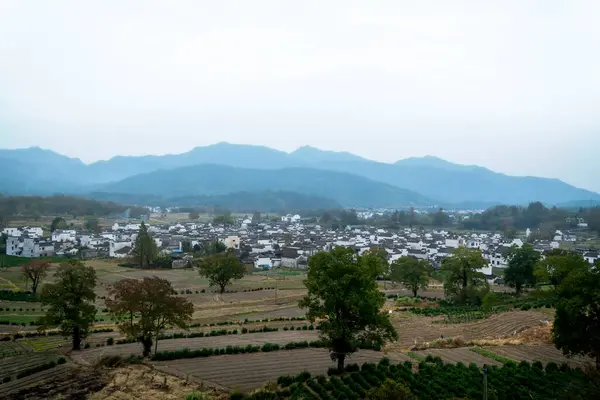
{"x": 510, "y": 85}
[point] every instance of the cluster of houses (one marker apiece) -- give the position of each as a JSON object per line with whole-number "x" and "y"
{"x": 288, "y": 242}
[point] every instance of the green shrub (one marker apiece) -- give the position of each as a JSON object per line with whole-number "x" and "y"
{"x": 6, "y": 379}
{"x": 196, "y": 396}
{"x": 110, "y": 341}
{"x": 285, "y": 381}
{"x": 236, "y": 395}
{"x": 61, "y": 360}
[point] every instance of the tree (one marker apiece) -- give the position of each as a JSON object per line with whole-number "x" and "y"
{"x": 557, "y": 265}
{"x": 464, "y": 284}
{"x": 210, "y": 247}
{"x": 221, "y": 269}
{"x": 390, "y": 390}
{"x": 344, "y": 296}
{"x": 223, "y": 219}
{"x": 577, "y": 318}
{"x": 411, "y": 272}
{"x": 256, "y": 218}
{"x": 287, "y": 238}
{"x": 70, "y": 300}
{"x": 58, "y": 223}
{"x": 93, "y": 225}
{"x": 193, "y": 215}
{"x": 35, "y": 271}
{"x": 521, "y": 266}
{"x": 144, "y": 249}
{"x": 144, "y": 308}
{"x": 186, "y": 246}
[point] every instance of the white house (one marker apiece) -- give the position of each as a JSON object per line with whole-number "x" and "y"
{"x": 11, "y": 232}
{"x": 232, "y": 242}
{"x": 262, "y": 262}
{"x": 60, "y": 235}
{"x": 115, "y": 248}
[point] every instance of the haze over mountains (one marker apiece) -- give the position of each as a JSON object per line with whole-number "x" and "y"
{"x": 334, "y": 177}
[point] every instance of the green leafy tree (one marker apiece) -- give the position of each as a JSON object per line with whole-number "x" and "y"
{"x": 220, "y": 269}
{"x": 343, "y": 295}
{"x": 463, "y": 283}
{"x": 186, "y": 246}
{"x": 390, "y": 390}
{"x": 521, "y": 266}
{"x": 145, "y": 249}
{"x": 35, "y": 271}
{"x": 70, "y": 301}
{"x": 193, "y": 215}
{"x": 557, "y": 265}
{"x": 58, "y": 223}
{"x": 411, "y": 272}
{"x": 93, "y": 224}
{"x": 223, "y": 219}
{"x": 256, "y": 218}
{"x": 577, "y": 320}
{"x": 210, "y": 247}
{"x": 144, "y": 308}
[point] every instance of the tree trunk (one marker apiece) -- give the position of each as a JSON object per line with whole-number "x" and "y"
{"x": 147, "y": 345}
{"x": 341, "y": 358}
{"x": 598, "y": 362}
{"x": 415, "y": 290}
{"x": 222, "y": 289}
{"x": 34, "y": 287}
{"x": 76, "y": 338}
{"x": 518, "y": 289}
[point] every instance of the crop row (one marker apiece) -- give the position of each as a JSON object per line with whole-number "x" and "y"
{"x": 249, "y": 321}
{"x": 436, "y": 380}
{"x": 36, "y": 369}
{"x": 265, "y": 348}
{"x": 491, "y": 355}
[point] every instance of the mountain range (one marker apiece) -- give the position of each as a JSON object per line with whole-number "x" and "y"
{"x": 223, "y": 168}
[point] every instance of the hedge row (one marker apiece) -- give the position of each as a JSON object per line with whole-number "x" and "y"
{"x": 248, "y": 321}
{"x": 9, "y": 295}
{"x": 266, "y": 348}
{"x": 40, "y": 368}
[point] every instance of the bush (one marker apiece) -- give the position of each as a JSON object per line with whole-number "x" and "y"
{"x": 110, "y": 341}
{"x": 6, "y": 379}
{"x": 302, "y": 376}
{"x": 237, "y": 396}
{"x": 61, "y": 360}
{"x": 196, "y": 396}
{"x": 352, "y": 368}
{"x": 285, "y": 381}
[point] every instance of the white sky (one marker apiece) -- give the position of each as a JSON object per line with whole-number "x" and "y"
{"x": 510, "y": 85}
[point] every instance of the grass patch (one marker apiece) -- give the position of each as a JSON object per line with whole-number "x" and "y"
{"x": 415, "y": 356}
{"x": 492, "y": 355}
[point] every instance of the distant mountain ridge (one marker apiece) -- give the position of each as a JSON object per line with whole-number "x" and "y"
{"x": 426, "y": 179}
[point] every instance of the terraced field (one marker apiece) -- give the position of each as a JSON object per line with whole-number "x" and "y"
{"x": 11, "y": 389}
{"x": 463, "y": 354}
{"x": 413, "y": 330}
{"x": 246, "y": 372}
{"x": 88, "y": 357}
{"x": 10, "y": 348}
{"x": 542, "y": 352}
{"x": 11, "y": 366}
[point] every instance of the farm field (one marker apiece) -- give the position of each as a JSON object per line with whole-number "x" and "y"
{"x": 462, "y": 354}
{"x": 89, "y": 356}
{"x": 413, "y": 330}
{"x": 539, "y": 352}
{"x": 11, "y": 366}
{"x": 246, "y": 372}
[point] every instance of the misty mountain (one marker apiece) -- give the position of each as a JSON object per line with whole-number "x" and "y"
{"x": 264, "y": 201}
{"x": 210, "y": 179}
{"x": 45, "y": 172}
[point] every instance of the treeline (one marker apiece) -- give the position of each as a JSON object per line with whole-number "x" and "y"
{"x": 36, "y": 206}
{"x": 542, "y": 220}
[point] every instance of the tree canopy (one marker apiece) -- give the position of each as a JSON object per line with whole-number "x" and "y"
{"x": 221, "y": 269}
{"x": 464, "y": 284}
{"x": 577, "y": 320}
{"x": 145, "y": 249}
{"x": 70, "y": 301}
{"x": 557, "y": 265}
{"x": 521, "y": 266}
{"x": 35, "y": 271}
{"x": 411, "y": 272}
{"x": 58, "y": 223}
{"x": 343, "y": 295}
{"x": 144, "y": 308}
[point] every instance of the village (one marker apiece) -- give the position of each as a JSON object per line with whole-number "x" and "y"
{"x": 287, "y": 241}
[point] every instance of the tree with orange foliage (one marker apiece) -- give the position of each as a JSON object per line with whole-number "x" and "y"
{"x": 35, "y": 271}
{"x": 144, "y": 308}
